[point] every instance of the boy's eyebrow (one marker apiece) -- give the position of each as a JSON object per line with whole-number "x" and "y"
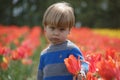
{"x": 57, "y": 26}
{"x": 62, "y": 27}
{"x": 51, "y": 25}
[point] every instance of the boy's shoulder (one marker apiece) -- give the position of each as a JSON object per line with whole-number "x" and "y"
{"x": 44, "y": 50}
{"x": 72, "y": 45}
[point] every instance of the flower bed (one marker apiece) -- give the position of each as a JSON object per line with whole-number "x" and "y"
{"x": 102, "y": 53}
{"x": 17, "y": 46}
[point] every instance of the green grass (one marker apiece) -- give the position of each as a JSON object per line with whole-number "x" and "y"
{"x": 36, "y": 58}
{"x": 16, "y": 71}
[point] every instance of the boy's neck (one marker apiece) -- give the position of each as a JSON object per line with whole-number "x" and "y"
{"x": 58, "y": 43}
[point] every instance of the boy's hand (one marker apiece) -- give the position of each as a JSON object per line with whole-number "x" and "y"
{"x": 81, "y": 76}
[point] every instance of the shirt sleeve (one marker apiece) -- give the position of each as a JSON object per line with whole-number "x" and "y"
{"x": 40, "y": 69}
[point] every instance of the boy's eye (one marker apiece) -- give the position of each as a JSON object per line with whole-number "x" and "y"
{"x": 62, "y": 29}
{"x": 52, "y": 28}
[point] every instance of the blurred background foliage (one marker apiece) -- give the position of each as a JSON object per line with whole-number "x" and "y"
{"x": 91, "y": 13}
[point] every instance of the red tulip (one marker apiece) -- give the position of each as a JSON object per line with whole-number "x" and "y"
{"x": 111, "y": 53}
{"x": 4, "y": 65}
{"x": 73, "y": 65}
{"x": 106, "y": 69}
{"x": 26, "y": 61}
{"x": 90, "y": 76}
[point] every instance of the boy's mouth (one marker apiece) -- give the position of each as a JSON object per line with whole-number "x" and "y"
{"x": 55, "y": 39}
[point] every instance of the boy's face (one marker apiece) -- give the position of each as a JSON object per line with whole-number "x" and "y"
{"x": 56, "y": 35}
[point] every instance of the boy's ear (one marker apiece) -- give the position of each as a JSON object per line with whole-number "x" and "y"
{"x": 69, "y": 31}
{"x": 44, "y": 29}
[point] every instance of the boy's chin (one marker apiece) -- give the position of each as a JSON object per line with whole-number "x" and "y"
{"x": 55, "y": 43}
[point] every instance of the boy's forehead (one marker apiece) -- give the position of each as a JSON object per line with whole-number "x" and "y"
{"x": 57, "y": 26}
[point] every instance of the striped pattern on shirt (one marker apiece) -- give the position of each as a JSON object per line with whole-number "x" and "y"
{"x": 52, "y": 65}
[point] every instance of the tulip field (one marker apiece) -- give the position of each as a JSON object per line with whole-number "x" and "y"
{"x": 17, "y": 48}
{"x": 102, "y": 52}
{"x": 20, "y": 48}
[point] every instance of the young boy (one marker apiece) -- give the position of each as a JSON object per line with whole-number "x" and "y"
{"x": 58, "y": 21}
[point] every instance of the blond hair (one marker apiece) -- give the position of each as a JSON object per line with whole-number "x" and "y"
{"x": 60, "y": 15}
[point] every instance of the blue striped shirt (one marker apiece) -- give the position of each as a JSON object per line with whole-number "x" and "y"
{"x": 52, "y": 67}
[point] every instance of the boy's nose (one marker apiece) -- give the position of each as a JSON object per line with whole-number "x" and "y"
{"x": 56, "y": 32}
